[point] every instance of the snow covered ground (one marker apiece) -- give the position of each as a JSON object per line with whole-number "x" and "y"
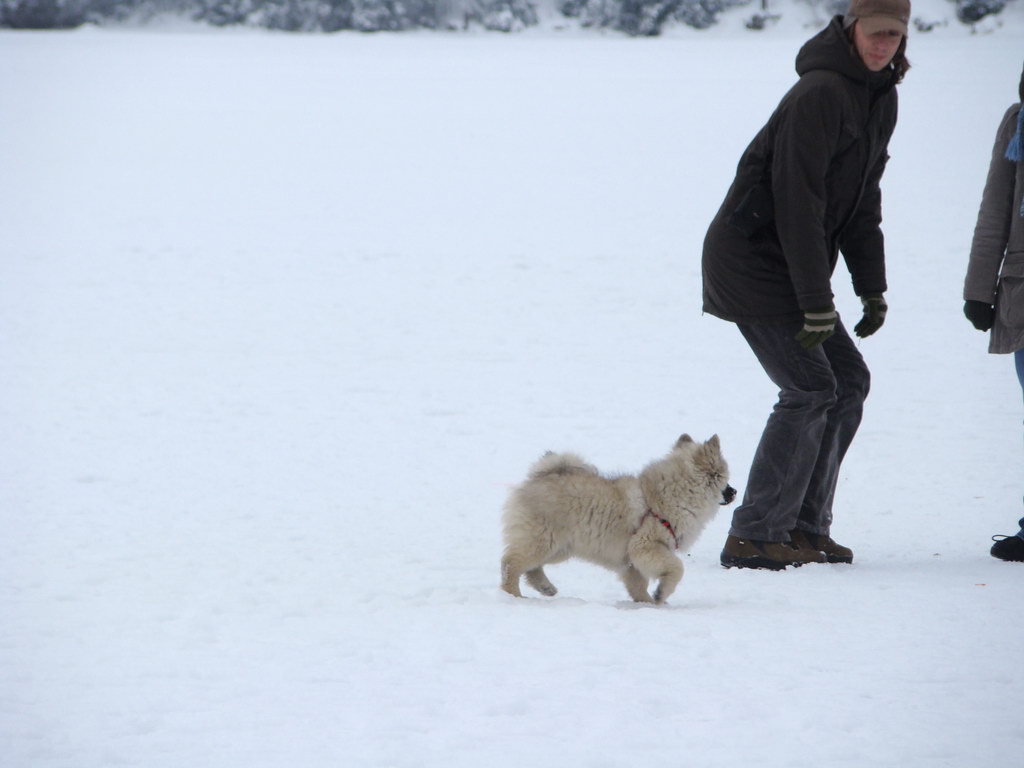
{"x": 282, "y": 317}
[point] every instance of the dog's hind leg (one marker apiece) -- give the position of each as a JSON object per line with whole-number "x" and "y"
{"x": 529, "y": 556}
{"x": 636, "y": 585}
{"x": 529, "y": 560}
{"x": 537, "y": 579}
{"x": 511, "y": 570}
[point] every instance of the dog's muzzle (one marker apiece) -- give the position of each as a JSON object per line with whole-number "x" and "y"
{"x": 728, "y": 495}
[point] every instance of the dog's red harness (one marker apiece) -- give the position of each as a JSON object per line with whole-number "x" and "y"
{"x": 664, "y": 522}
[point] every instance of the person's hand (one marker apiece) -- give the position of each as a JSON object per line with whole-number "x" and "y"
{"x": 819, "y": 324}
{"x": 874, "y": 315}
{"x": 981, "y": 315}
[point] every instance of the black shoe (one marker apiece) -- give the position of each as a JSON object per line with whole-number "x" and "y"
{"x": 1008, "y": 548}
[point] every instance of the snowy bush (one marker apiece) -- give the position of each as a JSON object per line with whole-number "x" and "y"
{"x": 631, "y": 17}
{"x": 591, "y": 13}
{"x": 42, "y": 14}
{"x": 224, "y": 13}
{"x": 505, "y": 15}
{"x": 973, "y": 11}
{"x": 645, "y": 17}
{"x": 294, "y": 15}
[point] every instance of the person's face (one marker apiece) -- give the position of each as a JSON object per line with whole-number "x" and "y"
{"x": 877, "y": 49}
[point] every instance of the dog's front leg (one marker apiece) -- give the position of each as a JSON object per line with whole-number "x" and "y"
{"x": 636, "y": 585}
{"x": 657, "y": 561}
{"x": 669, "y": 579}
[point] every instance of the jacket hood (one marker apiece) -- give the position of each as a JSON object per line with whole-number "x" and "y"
{"x": 832, "y": 50}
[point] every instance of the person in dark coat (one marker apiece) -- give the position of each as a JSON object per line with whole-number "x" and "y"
{"x": 806, "y": 189}
{"x": 994, "y": 286}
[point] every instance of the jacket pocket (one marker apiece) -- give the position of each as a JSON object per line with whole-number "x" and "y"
{"x": 1013, "y": 263}
{"x": 850, "y": 136}
{"x": 755, "y": 211}
{"x": 1010, "y": 301}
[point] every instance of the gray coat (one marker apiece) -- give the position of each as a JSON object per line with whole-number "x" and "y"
{"x": 995, "y": 274}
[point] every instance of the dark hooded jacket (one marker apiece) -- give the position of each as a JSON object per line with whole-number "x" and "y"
{"x": 806, "y": 188}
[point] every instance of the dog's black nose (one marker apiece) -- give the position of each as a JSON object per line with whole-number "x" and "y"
{"x": 728, "y": 495}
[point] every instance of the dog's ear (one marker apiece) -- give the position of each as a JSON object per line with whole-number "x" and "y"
{"x": 683, "y": 440}
{"x": 712, "y": 450}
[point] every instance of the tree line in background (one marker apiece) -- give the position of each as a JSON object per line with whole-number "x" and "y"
{"x": 632, "y": 17}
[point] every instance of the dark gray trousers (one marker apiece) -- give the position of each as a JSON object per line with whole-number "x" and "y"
{"x": 793, "y": 476}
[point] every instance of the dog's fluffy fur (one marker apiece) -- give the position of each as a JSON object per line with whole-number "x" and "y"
{"x": 630, "y": 524}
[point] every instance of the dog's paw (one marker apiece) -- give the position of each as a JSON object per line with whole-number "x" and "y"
{"x": 539, "y": 581}
{"x": 512, "y": 589}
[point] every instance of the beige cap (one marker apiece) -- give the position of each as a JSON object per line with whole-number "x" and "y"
{"x": 880, "y": 15}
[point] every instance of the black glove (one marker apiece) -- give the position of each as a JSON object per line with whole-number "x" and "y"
{"x": 819, "y": 324}
{"x": 874, "y": 314}
{"x": 981, "y": 315}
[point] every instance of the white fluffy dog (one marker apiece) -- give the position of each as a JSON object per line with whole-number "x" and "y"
{"x": 631, "y": 524}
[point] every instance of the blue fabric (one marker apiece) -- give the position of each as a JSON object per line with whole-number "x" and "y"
{"x": 1018, "y": 358}
{"x": 1015, "y": 149}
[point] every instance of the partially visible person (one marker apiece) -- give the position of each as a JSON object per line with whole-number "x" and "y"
{"x": 994, "y": 287}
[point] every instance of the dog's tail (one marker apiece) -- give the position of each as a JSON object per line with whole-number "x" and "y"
{"x": 560, "y": 464}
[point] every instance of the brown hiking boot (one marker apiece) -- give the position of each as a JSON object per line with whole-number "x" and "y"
{"x": 834, "y": 553}
{"x": 767, "y": 555}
